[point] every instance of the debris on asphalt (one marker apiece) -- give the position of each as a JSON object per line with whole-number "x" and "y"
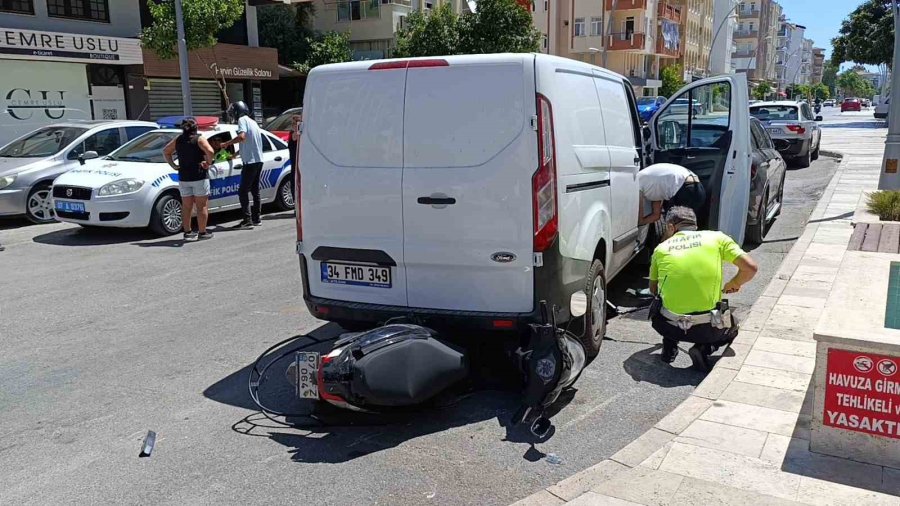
{"x": 553, "y": 458}
{"x": 149, "y": 443}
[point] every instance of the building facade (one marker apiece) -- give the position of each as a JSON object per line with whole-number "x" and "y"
{"x": 724, "y": 24}
{"x": 790, "y": 54}
{"x": 756, "y": 39}
{"x": 818, "y": 65}
{"x": 697, "y": 36}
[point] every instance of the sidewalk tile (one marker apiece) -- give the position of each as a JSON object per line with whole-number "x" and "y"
{"x": 715, "y": 383}
{"x": 726, "y": 438}
{"x": 595, "y": 499}
{"x": 764, "y": 396}
{"x": 746, "y": 337}
{"x": 793, "y": 318}
{"x": 638, "y": 450}
{"x": 694, "y": 492}
{"x": 752, "y": 417}
{"x": 684, "y": 414}
{"x": 776, "y": 286}
{"x": 822, "y": 493}
{"x": 800, "y": 283}
{"x": 542, "y": 498}
{"x": 785, "y": 380}
{"x": 776, "y": 448}
{"x": 763, "y": 303}
{"x": 802, "y": 301}
{"x": 754, "y": 321}
{"x": 654, "y": 461}
{"x": 643, "y": 486}
{"x": 581, "y": 482}
{"x": 730, "y": 469}
{"x": 801, "y": 291}
{"x": 780, "y": 361}
{"x": 733, "y": 359}
{"x": 787, "y": 347}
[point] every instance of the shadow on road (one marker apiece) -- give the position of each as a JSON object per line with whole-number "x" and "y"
{"x": 92, "y": 237}
{"x": 645, "y": 366}
{"x": 856, "y": 124}
{"x": 325, "y": 434}
{"x": 14, "y": 223}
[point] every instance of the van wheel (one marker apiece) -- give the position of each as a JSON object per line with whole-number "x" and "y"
{"x": 284, "y": 199}
{"x": 166, "y": 216}
{"x": 595, "y": 316}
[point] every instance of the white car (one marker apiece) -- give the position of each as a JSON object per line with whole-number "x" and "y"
{"x": 882, "y": 110}
{"x": 472, "y": 208}
{"x": 134, "y": 187}
{"x": 795, "y": 124}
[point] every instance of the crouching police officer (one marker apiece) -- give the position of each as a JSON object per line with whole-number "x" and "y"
{"x": 686, "y": 274}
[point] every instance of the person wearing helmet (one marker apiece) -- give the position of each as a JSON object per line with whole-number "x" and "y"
{"x": 250, "y": 138}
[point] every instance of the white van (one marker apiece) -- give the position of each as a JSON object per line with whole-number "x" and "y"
{"x": 464, "y": 190}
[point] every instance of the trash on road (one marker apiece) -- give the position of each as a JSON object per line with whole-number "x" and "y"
{"x": 149, "y": 443}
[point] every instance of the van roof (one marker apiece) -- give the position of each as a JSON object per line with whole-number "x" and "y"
{"x": 469, "y": 59}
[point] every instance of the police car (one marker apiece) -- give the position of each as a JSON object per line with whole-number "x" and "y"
{"x": 134, "y": 187}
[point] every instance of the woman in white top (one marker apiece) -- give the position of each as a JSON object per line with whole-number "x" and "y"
{"x": 666, "y": 185}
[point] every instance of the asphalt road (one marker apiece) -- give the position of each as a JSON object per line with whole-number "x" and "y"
{"x": 105, "y": 335}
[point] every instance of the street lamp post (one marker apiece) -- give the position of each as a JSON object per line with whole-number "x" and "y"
{"x": 712, "y": 44}
{"x": 183, "y": 61}
{"x": 890, "y": 175}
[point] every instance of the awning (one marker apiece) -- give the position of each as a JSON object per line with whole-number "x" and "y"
{"x": 646, "y": 83}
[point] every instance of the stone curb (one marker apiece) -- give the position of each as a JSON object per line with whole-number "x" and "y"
{"x": 670, "y": 426}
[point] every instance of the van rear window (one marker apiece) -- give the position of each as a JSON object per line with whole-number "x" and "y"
{"x": 463, "y": 115}
{"x": 355, "y": 118}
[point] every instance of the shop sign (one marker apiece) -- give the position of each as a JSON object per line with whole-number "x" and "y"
{"x": 33, "y": 45}
{"x": 862, "y": 393}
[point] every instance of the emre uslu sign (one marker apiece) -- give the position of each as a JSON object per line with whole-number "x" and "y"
{"x": 35, "y": 45}
{"x": 229, "y": 60}
{"x": 862, "y": 393}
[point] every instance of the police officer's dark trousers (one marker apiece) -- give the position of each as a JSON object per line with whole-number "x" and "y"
{"x": 703, "y": 334}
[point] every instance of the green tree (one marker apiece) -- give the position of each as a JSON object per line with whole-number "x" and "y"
{"x": 331, "y": 47}
{"x": 429, "y": 34}
{"x": 672, "y": 80}
{"x": 286, "y": 29}
{"x": 498, "y": 26}
{"x": 866, "y": 35}
{"x": 203, "y": 20}
{"x": 853, "y": 85}
{"x": 762, "y": 91}
{"x": 821, "y": 91}
{"x": 829, "y": 76}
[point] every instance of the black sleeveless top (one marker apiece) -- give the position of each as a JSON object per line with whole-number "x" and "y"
{"x": 189, "y": 157}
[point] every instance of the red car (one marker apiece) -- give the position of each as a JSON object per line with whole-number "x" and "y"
{"x": 281, "y": 125}
{"x": 851, "y": 104}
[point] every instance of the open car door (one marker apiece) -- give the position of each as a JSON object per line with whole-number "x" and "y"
{"x": 705, "y": 127}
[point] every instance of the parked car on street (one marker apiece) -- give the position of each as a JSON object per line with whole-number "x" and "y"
{"x": 281, "y": 125}
{"x": 682, "y": 103}
{"x": 881, "y": 112}
{"x": 134, "y": 187}
{"x": 29, "y": 164}
{"x": 851, "y": 104}
{"x": 767, "y": 175}
{"x": 828, "y": 103}
{"x": 471, "y": 209}
{"x": 647, "y": 106}
{"x": 792, "y": 122}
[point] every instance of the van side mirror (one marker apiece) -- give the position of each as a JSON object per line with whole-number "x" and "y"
{"x": 578, "y": 304}
{"x": 87, "y": 155}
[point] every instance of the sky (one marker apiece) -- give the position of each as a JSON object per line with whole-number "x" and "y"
{"x": 822, "y": 18}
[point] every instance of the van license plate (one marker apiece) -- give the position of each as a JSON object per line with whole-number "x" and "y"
{"x": 355, "y": 274}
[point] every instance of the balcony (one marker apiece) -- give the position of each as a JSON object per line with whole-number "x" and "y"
{"x": 670, "y": 51}
{"x": 748, "y": 13}
{"x": 626, "y": 41}
{"x": 623, "y": 5}
{"x": 746, "y": 34}
{"x": 743, "y": 54}
{"x": 670, "y": 12}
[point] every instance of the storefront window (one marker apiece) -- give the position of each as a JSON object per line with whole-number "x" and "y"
{"x": 19, "y": 6}
{"x": 93, "y": 10}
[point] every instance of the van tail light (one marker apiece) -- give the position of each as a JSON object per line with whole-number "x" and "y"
{"x": 543, "y": 183}
{"x": 797, "y": 129}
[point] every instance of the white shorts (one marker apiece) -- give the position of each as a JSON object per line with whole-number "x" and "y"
{"x": 194, "y": 188}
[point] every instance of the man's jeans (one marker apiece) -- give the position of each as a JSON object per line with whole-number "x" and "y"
{"x": 250, "y": 185}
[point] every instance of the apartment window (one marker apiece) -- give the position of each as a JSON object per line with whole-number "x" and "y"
{"x": 546, "y": 5}
{"x": 545, "y": 42}
{"x": 91, "y": 10}
{"x": 751, "y": 27}
{"x": 357, "y": 10}
{"x": 579, "y": 27}
{"x": 596, "y": 26}
{"x": 752, "y": 6}
{"x": 17, "y": 6}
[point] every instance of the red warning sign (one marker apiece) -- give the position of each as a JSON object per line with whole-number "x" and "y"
{"x": 862, "y": 393}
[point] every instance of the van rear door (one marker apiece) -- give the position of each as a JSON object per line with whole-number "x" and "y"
{"x": 470, "y": 151}
{"x": 351, "y": 213}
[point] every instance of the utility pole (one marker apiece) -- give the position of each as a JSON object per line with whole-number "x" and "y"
{"x": 890, "y": 172}
{"x": 183, "y": 61}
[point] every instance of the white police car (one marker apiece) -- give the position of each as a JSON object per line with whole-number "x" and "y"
{"x": 135, "y": 187}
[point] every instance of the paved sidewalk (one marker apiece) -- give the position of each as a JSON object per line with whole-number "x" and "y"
{"x": 743, "y": 435}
